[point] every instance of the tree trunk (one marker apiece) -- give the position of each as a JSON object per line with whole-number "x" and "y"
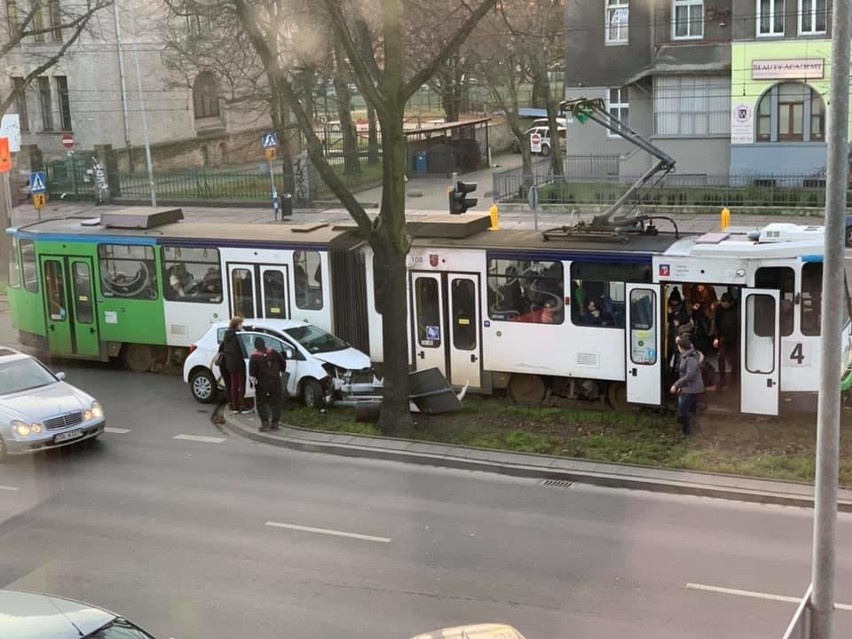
{"x": 280, "y": 122}
{"x": 372, "y": 136}
{"x": 391, "y": 243}
{"x": 351, "y": 160}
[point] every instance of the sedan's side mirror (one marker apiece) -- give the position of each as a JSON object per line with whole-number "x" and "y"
{"x": 60, "y": 376}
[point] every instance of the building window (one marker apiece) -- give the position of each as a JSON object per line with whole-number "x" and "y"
{"x": 46, "y": 102}
{"x": 618, "y": 107}
{"x": 205, "y": 96}
{"x": 770, "y": 17}
{"x": 64, "y": 103}
{"x": 13, "y": 19}
{"x": 21, "y": 103}
{"x": 791, "y": 112}
{"x": 812, "y": 16}
{"x": 692, "y": 106}
{"x": 688, "y": 19}
{"x": 617, "y": 15}
{"x": 55, "y": 20}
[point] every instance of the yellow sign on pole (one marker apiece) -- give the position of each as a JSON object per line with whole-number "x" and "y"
{"x": 271, "y": 154}
{"x": 39, "y": 200}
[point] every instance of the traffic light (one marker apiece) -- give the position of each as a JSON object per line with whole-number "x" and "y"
{"x": 459, "y": 202}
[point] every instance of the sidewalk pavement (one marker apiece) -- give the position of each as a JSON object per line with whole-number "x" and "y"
{"x": 556, "y": 471}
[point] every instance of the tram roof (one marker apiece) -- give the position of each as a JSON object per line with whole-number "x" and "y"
{"x": 319, "y": 233}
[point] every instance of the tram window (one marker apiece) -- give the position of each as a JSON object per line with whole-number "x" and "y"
{"x": 83, "y": 308}
{"x": 428, "y": 312}
{"x": 128, "y": 271}
{"x": 54, "y": 283}
{"x": 520, "y": 290}
{"x": 811, "y": 298}
{"x": 643, "y": 337}
{"x": 464, "y": 314}
{"x": 242, "y": 292}
{"x": 14, "y": 265}
{"x": 192, "y": 275}
{"x": 28, "y": 262}
{"x": 597, "y": 292}
{"x": 307, "y": 273}
{"x": 760, "y": 334}
{"x": 782, "y": 279}
{"x": 274, "y": 294}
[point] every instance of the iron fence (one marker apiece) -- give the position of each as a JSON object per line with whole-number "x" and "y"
{"x": 792, "y": 191}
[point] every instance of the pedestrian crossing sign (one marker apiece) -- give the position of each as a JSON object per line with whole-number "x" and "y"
{"x": 270, "y": 140}
{"x": 38, "y": 182}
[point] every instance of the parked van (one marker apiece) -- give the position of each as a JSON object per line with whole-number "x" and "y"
{"x": 476, "y": 631}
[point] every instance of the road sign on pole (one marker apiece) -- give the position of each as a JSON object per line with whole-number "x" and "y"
{"x": 5, "y": 156}
{"x": 535, "y": 142}
{"x": 39, "y": 200}
{"x": 38, "y": 182}
{"x": 271, "y": 154}
{"x": 269, "y": 140}
{"x": 68, "y": 141}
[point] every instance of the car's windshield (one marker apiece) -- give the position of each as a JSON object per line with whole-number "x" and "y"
{"x": 316, "y": 340}
{"x": 23, "y": 374}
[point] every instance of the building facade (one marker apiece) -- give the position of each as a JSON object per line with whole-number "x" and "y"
{"x": 734, "y": 87}
{"x": 93, "y": 92}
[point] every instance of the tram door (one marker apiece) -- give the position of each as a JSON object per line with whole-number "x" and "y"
{"x": 259, "y": 291}
{"x": 445, "y": 326}
{"x": 644, "y": 351}
{"x": 760, "y": 356}
{"x": 69, "y": 305}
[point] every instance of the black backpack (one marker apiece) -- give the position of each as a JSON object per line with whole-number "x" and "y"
{"x": 269, "y": 366}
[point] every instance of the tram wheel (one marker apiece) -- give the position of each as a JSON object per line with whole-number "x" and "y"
{"x": 617, "y": 395}
{"x": 138, "y": 357}
{"x": 527, "y": 389}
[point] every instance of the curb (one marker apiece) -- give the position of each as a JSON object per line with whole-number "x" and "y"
{"x": 606, "y": 480}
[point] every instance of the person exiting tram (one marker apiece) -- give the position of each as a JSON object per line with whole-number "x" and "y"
{"x": 265, "y": 368}
{"x": 726, "y": 338}
{"x": 689, "y": 385}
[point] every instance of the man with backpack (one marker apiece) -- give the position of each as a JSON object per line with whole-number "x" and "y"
{"x": 265, "y": 368}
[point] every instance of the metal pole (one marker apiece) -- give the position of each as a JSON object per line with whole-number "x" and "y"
{"x": 5, "y": 222}
{"x": 833, "y": 298}
{"x": 121, "y": 76}
{"x": 142, "y": 104}
{"x": 274, "y": 192}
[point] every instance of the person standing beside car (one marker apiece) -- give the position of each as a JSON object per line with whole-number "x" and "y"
{"x": 234, "y": 362}
{"x": 265, "y": 368}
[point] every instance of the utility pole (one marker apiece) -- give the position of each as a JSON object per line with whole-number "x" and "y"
{"x": 833, "y": 299}
{"x": 148, "y": 159}
{"x": 121, "y": 76}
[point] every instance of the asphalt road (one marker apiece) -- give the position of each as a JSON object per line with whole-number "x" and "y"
{"x": 174, "y": 531}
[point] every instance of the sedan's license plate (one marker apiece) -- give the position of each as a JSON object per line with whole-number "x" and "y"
{"x": 71, "y": 434}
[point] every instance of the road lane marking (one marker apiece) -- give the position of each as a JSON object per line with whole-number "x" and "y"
{"x": 756, "y": 595}
{"x": 10, "y": 488}
{"x": 327, "y": 531}
{"x": 200, "y": 438}
{"x": 117, "y": 431}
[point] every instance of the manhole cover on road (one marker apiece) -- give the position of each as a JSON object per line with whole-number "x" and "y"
{"x": 557, "y": 483}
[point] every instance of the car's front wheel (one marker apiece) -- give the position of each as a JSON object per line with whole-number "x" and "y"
{"x": 203, "y": 386}
{"x": 312, "y": 393}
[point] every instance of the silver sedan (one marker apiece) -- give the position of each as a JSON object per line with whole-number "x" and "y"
{"x": 39, "y": 410}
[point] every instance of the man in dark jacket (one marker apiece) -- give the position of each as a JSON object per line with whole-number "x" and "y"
{"x": 726, "y": 337}
{"x": 265, "y": 368}
{"x": 689, "y": 385}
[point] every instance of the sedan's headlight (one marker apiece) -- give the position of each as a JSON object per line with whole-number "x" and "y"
{"x": 23, "y": 429}
{"x": 95, "y": 412}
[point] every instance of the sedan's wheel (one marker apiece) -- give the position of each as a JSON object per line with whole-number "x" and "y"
{"x": 849, "y": 237}
{"x": 545, "y": 150}
{"x": 203, "y": 386}
{"x": 312, "y": 393}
